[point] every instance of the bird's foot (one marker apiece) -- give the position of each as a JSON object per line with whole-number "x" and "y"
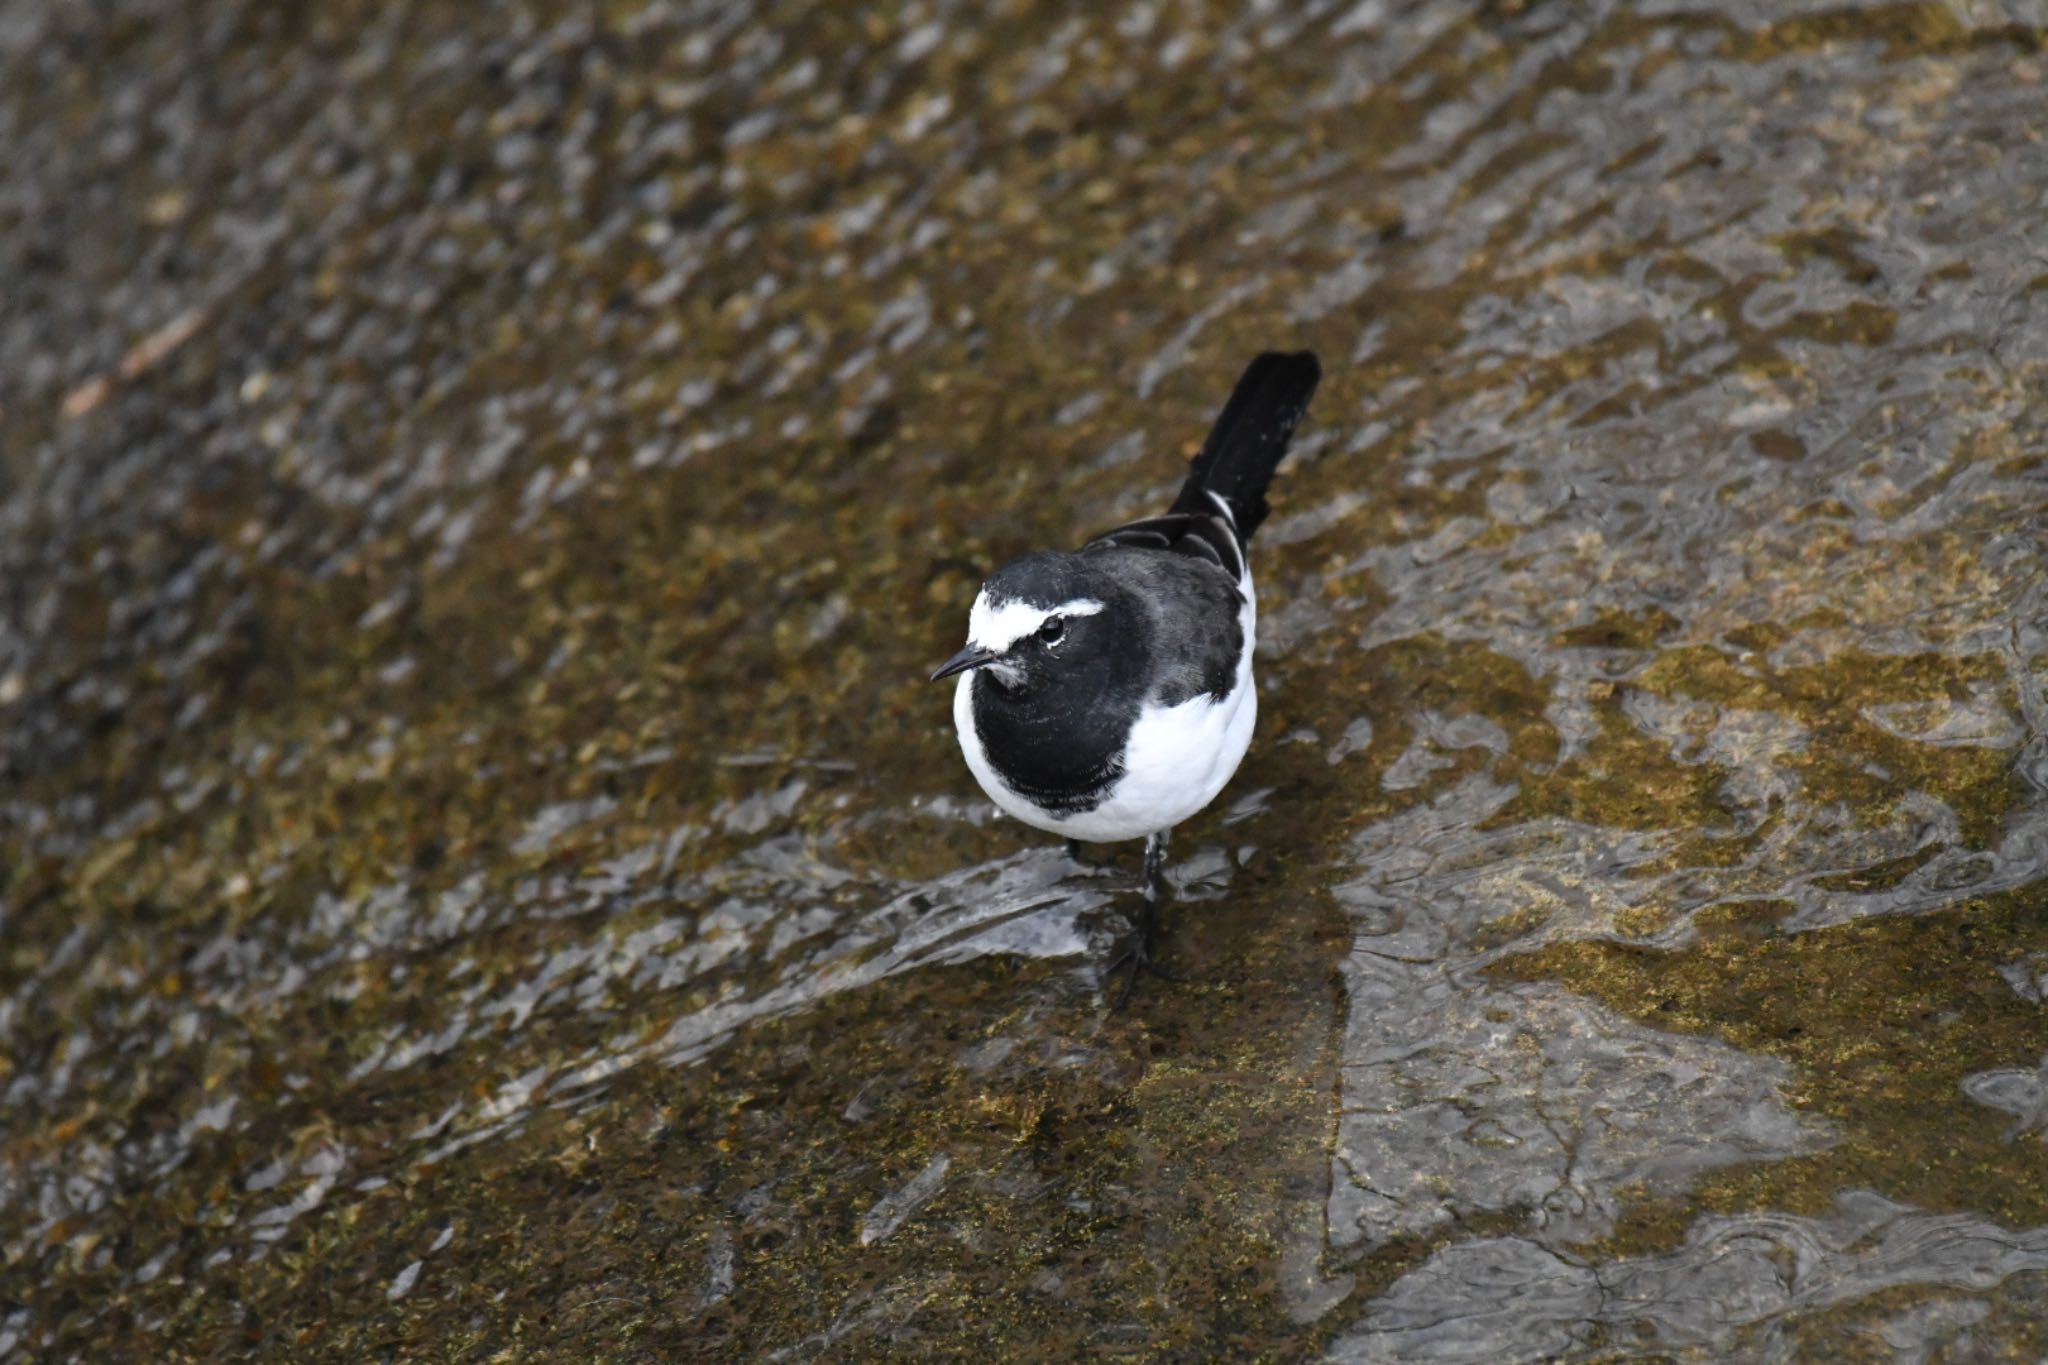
{"x": 1134, "y": 957}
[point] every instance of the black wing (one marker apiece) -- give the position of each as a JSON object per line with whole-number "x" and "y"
{"x": 1187, "y": 533}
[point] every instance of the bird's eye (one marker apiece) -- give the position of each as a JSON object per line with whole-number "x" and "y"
{"x": 1051, "y": 631}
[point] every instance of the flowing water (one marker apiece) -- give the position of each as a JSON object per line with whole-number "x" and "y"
{"x": 482, "y": 876}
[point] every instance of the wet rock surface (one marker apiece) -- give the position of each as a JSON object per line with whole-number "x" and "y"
{"x": 480, "y": 874}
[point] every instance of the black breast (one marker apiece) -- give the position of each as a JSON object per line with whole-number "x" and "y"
{"x": 1056, "y": 748}
{"x": 1167, "y": 631}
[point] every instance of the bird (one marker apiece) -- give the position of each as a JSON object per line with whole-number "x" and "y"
{"x": 1105, "y": 694}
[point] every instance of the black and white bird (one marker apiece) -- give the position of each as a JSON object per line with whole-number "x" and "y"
{"x": 1107, "y": 694}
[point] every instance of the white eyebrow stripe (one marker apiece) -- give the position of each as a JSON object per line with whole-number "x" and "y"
{"x": 997, "y": 626}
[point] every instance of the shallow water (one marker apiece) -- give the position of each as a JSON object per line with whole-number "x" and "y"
{"x": 480, "y": 871}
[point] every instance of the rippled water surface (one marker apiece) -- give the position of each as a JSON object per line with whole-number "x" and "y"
{"x": 481, "y": 874}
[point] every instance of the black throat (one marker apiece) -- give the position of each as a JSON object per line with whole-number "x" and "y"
{"x": 1060, "y": 743}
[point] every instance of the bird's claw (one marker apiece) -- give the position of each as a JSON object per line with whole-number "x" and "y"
{"x": 1133, "y": 957}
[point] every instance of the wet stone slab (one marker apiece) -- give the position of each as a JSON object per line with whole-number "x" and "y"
{"x": 481, "y": 875}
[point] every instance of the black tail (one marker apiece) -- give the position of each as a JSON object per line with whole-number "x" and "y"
{"x": 1250, "y": 438}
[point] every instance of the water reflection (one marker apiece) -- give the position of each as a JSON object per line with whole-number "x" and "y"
{"x": 1737, "y": 1286}
{"x": 475, "y": 860}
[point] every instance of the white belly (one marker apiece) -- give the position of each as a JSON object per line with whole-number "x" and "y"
{"x": 1177, "y": 760}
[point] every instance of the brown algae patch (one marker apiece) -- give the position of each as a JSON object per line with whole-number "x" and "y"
{"x": 483, "y": 875}
{"x": 1130, "y": 1188}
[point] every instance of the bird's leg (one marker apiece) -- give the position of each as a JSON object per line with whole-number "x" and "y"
{"x": 1155, "y": 867}
{"x": 1135, "y": 954}
{"x": 1073, "y": 850}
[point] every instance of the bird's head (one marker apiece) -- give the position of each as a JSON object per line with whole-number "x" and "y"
{"x": 1037, "y": 621}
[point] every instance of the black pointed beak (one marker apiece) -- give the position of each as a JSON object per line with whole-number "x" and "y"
{"x": 970, "y": 657}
